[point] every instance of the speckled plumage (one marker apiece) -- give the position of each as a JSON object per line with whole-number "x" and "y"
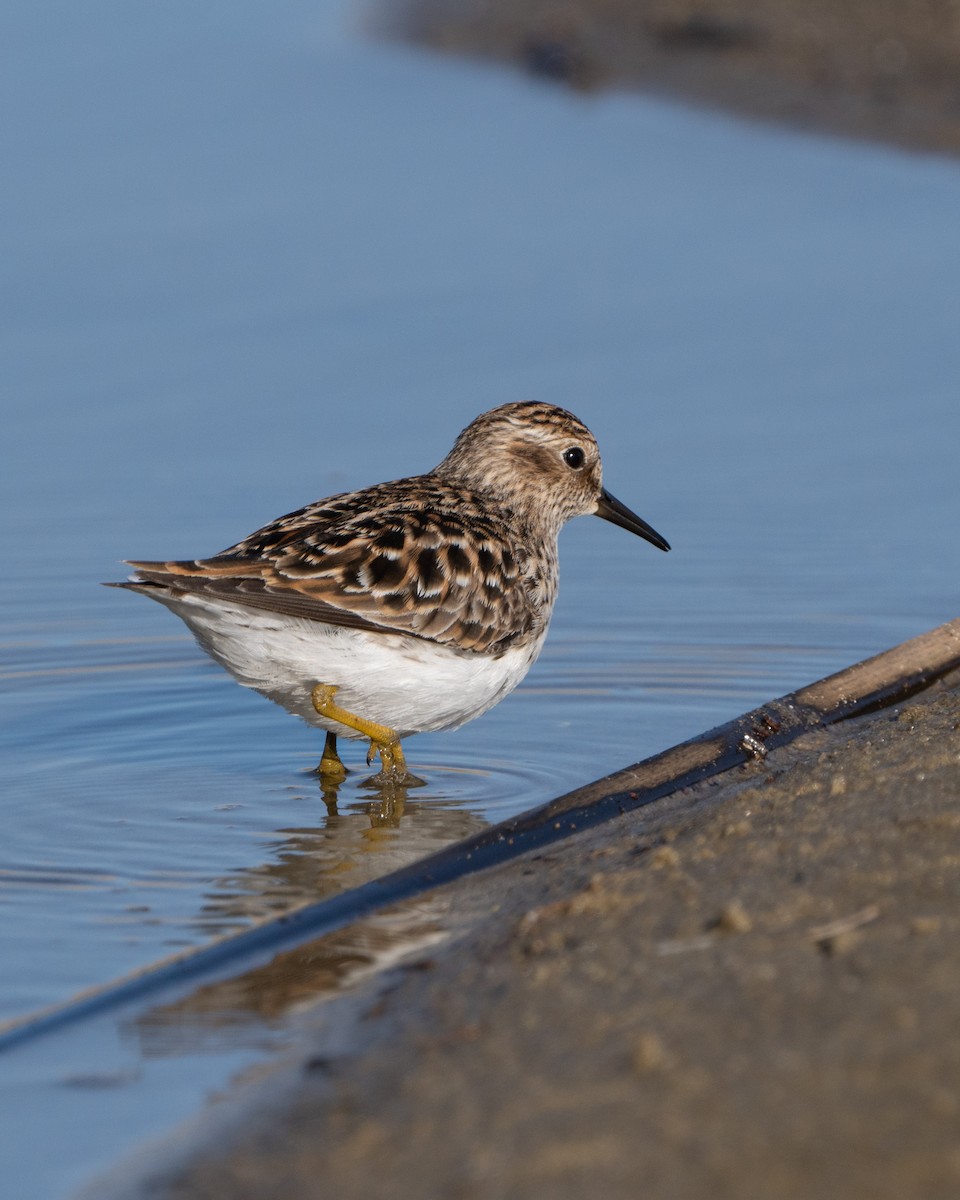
{"x": 419, "y": 557}
{"x": 442, "y": 576}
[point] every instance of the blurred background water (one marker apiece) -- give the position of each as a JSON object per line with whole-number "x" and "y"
{"x": 252, "y": 258}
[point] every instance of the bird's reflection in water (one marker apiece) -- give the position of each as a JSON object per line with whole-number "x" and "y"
{"x": 356, "y": 842}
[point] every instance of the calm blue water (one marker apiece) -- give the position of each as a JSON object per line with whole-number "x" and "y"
{"x": 251, "y": 259}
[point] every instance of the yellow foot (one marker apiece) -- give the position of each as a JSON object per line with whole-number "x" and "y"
{"x": 393, "y": 772}
{"x": 383, "y": 739}
{"x": 331, "y": 769}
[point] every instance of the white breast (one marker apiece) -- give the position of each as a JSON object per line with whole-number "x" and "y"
{"x": 410, "y": 684}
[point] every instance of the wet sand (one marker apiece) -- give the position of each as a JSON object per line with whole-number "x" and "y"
{"x": 856, "y": 67}
{"x": 748, "y": 989}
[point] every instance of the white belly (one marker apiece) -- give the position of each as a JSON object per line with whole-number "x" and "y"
{"x": 407, "y": 683}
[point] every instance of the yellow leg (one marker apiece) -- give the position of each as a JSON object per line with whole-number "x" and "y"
{"x": 331, "y": 768}
{"x": 383, "y": 739}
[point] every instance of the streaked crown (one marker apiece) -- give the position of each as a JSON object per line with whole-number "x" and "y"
{"x": 538, "y": 459}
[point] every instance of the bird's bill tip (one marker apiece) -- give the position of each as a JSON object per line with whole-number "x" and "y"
{"x": 610, "y": 509}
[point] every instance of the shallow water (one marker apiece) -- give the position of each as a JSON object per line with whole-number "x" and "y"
{"x": 253, "y": 259}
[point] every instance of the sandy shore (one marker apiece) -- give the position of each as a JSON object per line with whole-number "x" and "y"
{"x": 748, "y": 989}
{"x": 887, "y": 71}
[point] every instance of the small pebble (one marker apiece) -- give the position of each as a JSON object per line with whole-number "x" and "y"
{"x": 664, "y": 857}
{"x": 733, "y": 918}
{"x": 650, "y": 1054}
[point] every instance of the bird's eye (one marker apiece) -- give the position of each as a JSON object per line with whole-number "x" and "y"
{"x": 574, "y": 457}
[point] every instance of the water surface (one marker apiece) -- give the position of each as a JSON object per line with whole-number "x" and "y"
{"x": 252, "y": 259}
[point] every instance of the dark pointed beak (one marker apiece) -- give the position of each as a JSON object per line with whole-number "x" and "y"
{"x": 610, "y": 508}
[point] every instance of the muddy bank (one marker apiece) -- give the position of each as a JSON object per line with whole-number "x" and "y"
{"x": 748, "y": 989}
{"x": 857, "y": 67}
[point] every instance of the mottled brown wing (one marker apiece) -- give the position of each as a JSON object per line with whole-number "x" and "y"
{"x": 422, "y": 560}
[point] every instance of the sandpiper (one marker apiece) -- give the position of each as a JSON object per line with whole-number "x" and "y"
{"x": 408, "y": 606}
